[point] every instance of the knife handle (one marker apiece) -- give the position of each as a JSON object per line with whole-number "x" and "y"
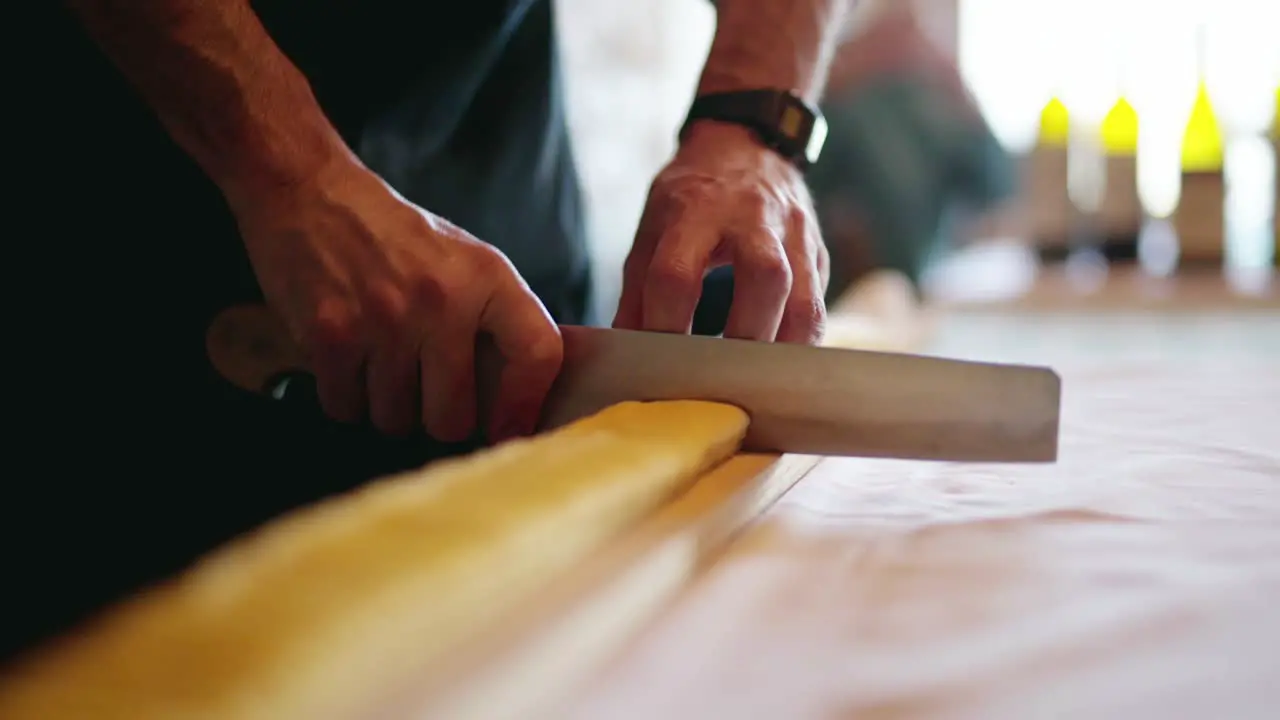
{"x": 251, "y": 348}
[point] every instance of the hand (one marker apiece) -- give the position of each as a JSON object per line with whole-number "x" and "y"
{"x": 387, "y": 300}
{"x": 726, "y": 199}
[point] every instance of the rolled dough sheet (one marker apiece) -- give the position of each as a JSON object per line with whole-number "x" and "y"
{"x": 324, "y": 612}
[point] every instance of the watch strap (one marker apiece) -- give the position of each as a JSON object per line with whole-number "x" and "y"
{"x": 781, "y": 120}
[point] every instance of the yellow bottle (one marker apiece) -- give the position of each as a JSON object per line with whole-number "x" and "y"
{"x": 1202, "y": 139}
{"x": 1049, "y": 204}
{"x": 1275, "y": 118}
{"x": 1055, "y": 124}
{"x": 1121, "y": 210}
{"x": 1275, "y": 181}
{"x": 1120, "y": 130}
{"x": 1200, "y": 216}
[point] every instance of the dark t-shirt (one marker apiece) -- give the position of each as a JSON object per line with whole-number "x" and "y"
{"x": 134, "y": 456}
{"x": 459, "y": 106}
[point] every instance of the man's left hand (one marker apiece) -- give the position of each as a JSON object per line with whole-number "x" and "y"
{"x": 726, "y": 199}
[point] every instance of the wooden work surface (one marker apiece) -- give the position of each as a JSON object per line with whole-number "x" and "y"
{"x": 1137, "y": 577}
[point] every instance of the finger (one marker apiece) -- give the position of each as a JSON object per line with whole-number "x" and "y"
{"x": 673, "y": 282}
{"x": 391, "y": 369}
{"x": 392, "y": 380}
{"x": 804, "y": 316}
{"x": 448, "y": 371}
{"x": 532, "y": 350}
{"x": 762, "y": 282}
{"x": 336, "y": 354}
{"x": 630, "y": 314}
{"x": 803, "y": 224}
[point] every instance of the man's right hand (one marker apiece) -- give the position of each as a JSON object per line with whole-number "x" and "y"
{"x": 388, "y": 301}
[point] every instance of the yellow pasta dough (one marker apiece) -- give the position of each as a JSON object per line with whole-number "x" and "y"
{"x": 318, "y": 614}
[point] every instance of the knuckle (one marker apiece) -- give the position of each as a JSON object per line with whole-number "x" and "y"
{"x": 823, "y": 265}
{"x": 804, "y": 322}
{"x": 799, "y": 215}
{"x": 386, "y": 305}
{"x": 822, "y": 255}
{"x": 331, "y": 332}
{"x": 435, "y": 290}
{"x": 546, "y": 350}
{"x": 486, "y": 258}
{"x": 483, "y": 267}
{"x": 771, "y": 267}
{"x": 809, "y": 313}
{"x": 668, "y": 274}
{"x": 754, "y": 204}
{"x": 454, "y": 285}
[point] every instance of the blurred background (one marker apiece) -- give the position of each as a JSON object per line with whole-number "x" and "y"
{"x": 1084, "y": 184}
{"x": 993, "y": 152}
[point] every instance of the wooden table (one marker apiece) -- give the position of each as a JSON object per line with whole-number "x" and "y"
{"x": 1137, "y": 577}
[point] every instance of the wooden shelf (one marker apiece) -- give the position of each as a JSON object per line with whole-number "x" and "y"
{"x": 1129, "y": 289}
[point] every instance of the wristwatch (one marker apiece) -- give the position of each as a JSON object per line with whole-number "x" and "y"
{"x": 780, "y": 119}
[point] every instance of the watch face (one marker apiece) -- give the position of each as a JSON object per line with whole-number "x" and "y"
{"x": 817, "y": 139}
{"x": 793, "y": 121}
{"x": 802, "y": 132}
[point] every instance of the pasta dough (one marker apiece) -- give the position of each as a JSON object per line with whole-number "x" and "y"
{"x": 324, "y": 611}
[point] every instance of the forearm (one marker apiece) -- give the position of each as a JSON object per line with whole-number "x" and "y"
{"x": 778, "y": 44}
{"x": 221, "y": 87}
